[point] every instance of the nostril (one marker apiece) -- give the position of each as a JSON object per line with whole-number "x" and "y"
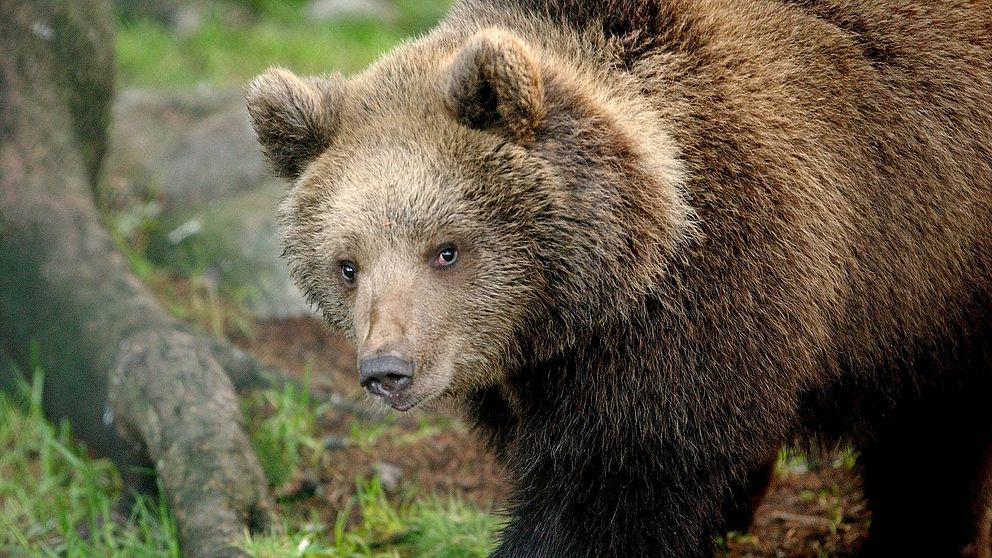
{"x": 385, "y": 371}
{"x": 390, "y": 385}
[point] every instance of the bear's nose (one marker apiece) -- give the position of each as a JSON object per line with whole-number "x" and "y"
{"x": 385, "y": 375}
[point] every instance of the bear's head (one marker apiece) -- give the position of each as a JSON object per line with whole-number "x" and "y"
{"x": 467, "y": 205}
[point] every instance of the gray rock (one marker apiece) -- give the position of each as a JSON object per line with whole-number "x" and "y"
{"x": 334, "y": 442}
{"x": 186, "y": 165}
{"x": 379, "y": 10}
{"x": 389, "y": 475}
{"x": 183, "y": 148}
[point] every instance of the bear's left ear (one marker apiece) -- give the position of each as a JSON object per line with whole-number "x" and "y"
{"x": 294, "y": 118}
{"x": 495, "y": 82}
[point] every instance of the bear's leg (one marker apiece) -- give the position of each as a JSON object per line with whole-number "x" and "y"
{"x": 744, "y": 501}
{"x": 926, "y": 479}
{"x": 588, "y": 510}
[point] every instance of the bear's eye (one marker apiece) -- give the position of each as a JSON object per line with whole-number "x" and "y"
{"x": 446, "y": 256}
{"x": 348, "y": 272}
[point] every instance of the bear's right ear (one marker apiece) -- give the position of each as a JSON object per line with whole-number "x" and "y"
{"x": 294, "y": 118}
{"x": 495, "y": 82}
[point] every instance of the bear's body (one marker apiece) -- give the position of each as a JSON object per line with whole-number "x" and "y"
{"x": 682, "y": 233}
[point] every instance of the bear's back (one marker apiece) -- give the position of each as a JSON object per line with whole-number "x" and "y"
{"x": 837, "y": 155}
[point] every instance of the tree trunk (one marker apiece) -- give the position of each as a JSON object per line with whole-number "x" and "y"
{"x": 132, "y": 380}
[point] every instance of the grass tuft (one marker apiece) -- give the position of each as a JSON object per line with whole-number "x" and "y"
{"x": 451, "y": 529}
{"x": 422, "y": 528}
{"x": 281, "y": 423}
{"x": 57, "y": 501}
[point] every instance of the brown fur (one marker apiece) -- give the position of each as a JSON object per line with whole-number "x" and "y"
{"x": 688, "y": 232}
{"x": 517, "y": 93}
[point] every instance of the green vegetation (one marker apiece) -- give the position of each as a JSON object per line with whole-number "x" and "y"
{"x": 282, "y": 428}
{"x": 56, "y": 501}
{"x": 230, "y": 47}
{"x": 281, "y": 424}
{"x": 424, "y": 529}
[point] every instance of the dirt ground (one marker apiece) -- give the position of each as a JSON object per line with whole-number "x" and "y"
{"x": 812, "y": 509}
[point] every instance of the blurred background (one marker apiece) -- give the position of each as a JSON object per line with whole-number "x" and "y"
{"x": 188, "y": 202}
{"x": 184, "y": 181}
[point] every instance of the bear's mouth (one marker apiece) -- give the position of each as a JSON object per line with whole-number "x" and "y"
{"x": 402, "y": 391}
{"x": 401, "y": 401}
{"x": 393, "y": 388}
{"x": 402, "y": 406}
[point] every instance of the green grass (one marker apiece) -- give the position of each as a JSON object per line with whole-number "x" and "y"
{"x": 222, "y": 52}
{"x": 429, "y": 528}
{"x": 56, "y": 501}
{"x": 281, "y": 424}
{"x": 450, "y": 529}
{"x": 282, "y": 430}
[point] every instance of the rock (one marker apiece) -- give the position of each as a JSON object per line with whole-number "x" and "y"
{"x": 389, "y": 475}
{"x": 379, "y": 10}
{"x": 334, "y": 442}
{"x": 184, "y": 167}
{"x": 183, "y": 148}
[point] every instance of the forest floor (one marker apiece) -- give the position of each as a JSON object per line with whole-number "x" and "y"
{"x": 813, "y": 508}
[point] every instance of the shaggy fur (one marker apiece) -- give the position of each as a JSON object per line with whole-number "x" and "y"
{"x": 688, "y": 232}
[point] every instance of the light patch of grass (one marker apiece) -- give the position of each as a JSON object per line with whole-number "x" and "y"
{"x": 792, "y": 461}
{"x": 421, "y": 528}
{"x": 450, "y": 529}
{"x": 429, "y": 426}
{"x": 847, "y": 459}
{"x": 796, "y": 461}
{"x": 365, "y": 434}
{"x": 149, "y": 55}
{"x": 57, "y": 501}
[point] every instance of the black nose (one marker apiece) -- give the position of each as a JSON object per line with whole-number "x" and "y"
{"x": 385, "y": 375}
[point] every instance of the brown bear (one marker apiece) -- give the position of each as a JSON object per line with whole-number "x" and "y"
{"x": 644, "y": 243}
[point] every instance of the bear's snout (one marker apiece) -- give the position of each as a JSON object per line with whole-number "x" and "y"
{"x": 386, "y": 376}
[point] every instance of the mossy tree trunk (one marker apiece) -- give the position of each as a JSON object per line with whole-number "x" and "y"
{"x": 136, "y": 384}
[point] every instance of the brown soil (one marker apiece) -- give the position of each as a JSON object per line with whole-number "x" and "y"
{"x": 811, "y": 509}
